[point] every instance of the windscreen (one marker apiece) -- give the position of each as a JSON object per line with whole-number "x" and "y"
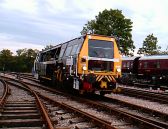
{"x": 101, "y": 49}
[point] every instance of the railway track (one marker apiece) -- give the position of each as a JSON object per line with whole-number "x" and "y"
{"x": 4, "y": 92}
{"x": 145, "y": 94}
{"x": 27, "y": 76}
{"x": 24, "y": 109}
{"x": 80, "y": 122}
{"x": 146, "y": 86}
{"x": 86, "y": 117}
{"x": 150, "y": 122}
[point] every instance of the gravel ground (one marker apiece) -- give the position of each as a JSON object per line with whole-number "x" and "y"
{"x": 132, "y": 111}
{"x": 145, "y": 103}
{"x": 18, "y": 94}
{"x": 83, "y": 107}
{"x": 144, "y": 89}
{"x": 65, "y": 119}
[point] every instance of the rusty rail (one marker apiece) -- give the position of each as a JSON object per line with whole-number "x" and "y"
{"x": 158, "y": 97}
{"x": 133, "y": 117}
{"x": 5, "y": 93}
{"x": 147, "y": 122}
{"x": 98, "y": 121}
{"x": 42, "y": 108}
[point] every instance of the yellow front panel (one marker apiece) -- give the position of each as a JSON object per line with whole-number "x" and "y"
{"x": 84, "y": 54}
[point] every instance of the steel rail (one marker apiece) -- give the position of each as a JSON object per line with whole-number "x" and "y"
{"x": 5, "y": 93}
{"x": 158, "y": 97}
{"x": 145, "y": 121}
{"x": 137, "y": 107}
{"x": 98, "y": 121}
{"x": 42, "y": 108}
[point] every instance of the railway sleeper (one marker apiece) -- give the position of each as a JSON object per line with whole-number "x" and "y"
{"x": 20, "y": 115}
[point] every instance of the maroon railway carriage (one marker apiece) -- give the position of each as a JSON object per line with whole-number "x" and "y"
{"x": 153, "y": 65}
{"x": 153, "y": 69}
{"x": 130, "y": 64}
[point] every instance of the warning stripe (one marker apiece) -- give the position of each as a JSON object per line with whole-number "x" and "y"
{"x": 107, "y": 78}
{"x": 111, "y": 78}
{"x": 98, "y": 77}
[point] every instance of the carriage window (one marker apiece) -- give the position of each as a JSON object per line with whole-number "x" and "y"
{"x": 52, "y": 53}
{"x": 68, "y": 51}
{"x": 78, "y": 49}
{"x": 48, "y": 56}
{"x": 62, "y": 52}
{"x": 74, "y": 49}
{"x": 145, "y": 64}
{"x": 124, "y": 64}
{"x": 131, "y": 65}
{"x": 128, "y": 64}
{"x": 158, "y": 65}
{"x": 140, "y": 65}
{"x": 43, "y": 57}
{"x": 62, "y": 49}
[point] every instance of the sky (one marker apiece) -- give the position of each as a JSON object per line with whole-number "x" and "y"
{"x": 37, "y": 23}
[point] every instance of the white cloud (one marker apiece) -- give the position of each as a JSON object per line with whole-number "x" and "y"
{"x": 56, "y": 6}
{"x": 7, "y": 41}
{"x": 13, "y": 46}
{"x": 63, "y": 19}
{"x": 26, "y": 6}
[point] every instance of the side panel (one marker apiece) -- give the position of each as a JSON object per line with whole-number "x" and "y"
{"x": 83, "y": 53}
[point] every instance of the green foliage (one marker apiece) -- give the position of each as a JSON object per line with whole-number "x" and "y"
{"x": 5, "y": 59}
{"x": 113, "y": 23}
{"x": 48, "y": 47}
{"x": 150, "y": 46}
{"x": 165, "y": 52}
{"x": 22, "y": 62}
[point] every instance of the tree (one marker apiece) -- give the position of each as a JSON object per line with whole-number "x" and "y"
{"x": 22, "y": 62}
{"x": 48, "y": 47}
{"x": 6, "y": 60}
{"x": 113, "y": 23}
{"x": 25, "y": 59}
{"x": 150, "y": 46}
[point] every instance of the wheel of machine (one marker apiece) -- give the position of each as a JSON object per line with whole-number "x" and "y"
{"x": 53, "y": 80}
{"x": 36, "y": 76}
{"x": 102, "y": 93}
{"x": 41, "y": 80}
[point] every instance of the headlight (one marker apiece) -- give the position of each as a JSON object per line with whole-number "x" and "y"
{"x": 84, "y": 68}
{"x": 118, "y": 70}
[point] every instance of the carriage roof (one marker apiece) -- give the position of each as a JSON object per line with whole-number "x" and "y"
{"x": 155, "y": 57}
